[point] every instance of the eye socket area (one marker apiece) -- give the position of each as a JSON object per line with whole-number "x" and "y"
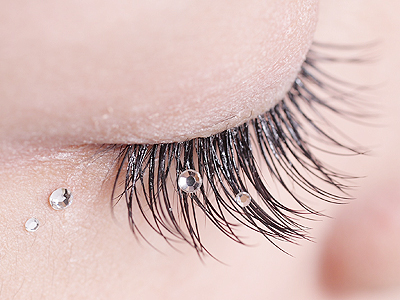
{"x": 194, "y": 71}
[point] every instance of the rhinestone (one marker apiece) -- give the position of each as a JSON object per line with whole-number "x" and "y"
{"x": 243, "y": 199}
{"x": 60, "y": 199}
{"x": 189, "y": 181}
{"x": 32, "y": 225}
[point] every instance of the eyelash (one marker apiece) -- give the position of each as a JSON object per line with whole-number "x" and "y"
{"x": 227, "y": 164}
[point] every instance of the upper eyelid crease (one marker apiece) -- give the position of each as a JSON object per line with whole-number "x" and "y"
{"x": 228, "y": 163}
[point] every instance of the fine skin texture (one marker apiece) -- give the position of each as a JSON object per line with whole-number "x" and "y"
{"x": 145, "y": 71}
{"x": 85, "y": 253}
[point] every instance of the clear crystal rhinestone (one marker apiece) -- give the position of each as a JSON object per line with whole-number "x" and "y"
{"x": 189, "y": 181}
{"x": 32, "y": 225}
{"x": 243, "y": 199}
{"x": 60, "y": 199}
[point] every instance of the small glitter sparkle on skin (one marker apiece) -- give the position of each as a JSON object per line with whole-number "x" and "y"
{"x": 60, "y": 199}
{"x": 189, "y": 181}
{"x": 243, "y": 199}
{"x": 32, "y": 224}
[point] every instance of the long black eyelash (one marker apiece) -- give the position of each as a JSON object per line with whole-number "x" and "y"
{"x": 283, "y": 138}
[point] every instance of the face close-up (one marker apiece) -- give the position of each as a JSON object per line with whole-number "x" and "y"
{"x": 199, "y": 149}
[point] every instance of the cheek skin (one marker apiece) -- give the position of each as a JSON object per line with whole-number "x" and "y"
{"x": 362, "y": 251}
{"x": 66, "y": 252}
{"x": 133, "y": 72}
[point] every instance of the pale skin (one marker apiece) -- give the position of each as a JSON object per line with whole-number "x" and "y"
{"x": 76, "y": 75}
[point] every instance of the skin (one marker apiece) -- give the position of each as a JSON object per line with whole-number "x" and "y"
{"x": 71, "y": 80}
{"x": 80, "y": 73}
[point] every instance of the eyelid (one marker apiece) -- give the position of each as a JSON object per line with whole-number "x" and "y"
{"x": 228, "y": 164}
{"x": 102, "y": 92}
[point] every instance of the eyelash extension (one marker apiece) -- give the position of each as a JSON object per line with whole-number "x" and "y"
{"x": 283, "y": 139}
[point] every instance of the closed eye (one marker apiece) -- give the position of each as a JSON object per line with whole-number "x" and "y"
{"x": 242, "y": 163}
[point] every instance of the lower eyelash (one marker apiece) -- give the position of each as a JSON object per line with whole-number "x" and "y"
{"x": 227, "y": 164}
